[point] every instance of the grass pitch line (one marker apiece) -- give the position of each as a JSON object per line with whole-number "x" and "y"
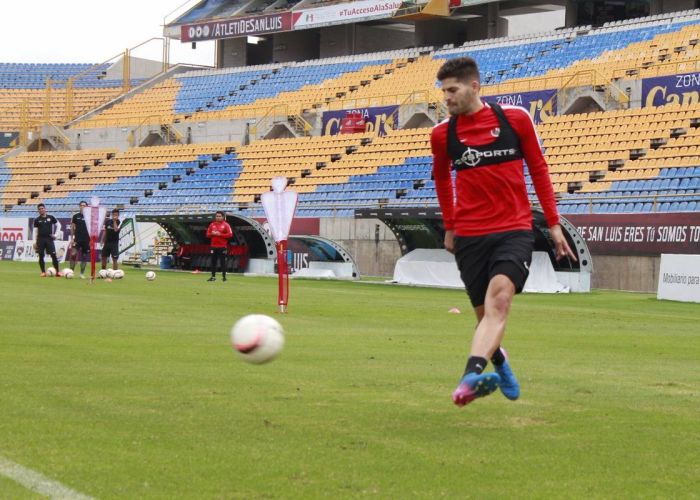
{"x": 36, "y": 482}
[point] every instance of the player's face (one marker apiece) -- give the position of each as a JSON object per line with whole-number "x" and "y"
{"x": 461, "y": 96}
{"x": 219, "y": 218}
{"x": 115, "y": 216}
{"x": 82, "y": 207}
{"x": 42, "y": 211}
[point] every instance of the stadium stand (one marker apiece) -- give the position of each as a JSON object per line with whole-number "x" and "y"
{"x": 41, "y": 92}
{"x": 640, "y": 159}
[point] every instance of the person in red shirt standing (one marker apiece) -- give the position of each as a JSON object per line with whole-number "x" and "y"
{"x": 487, "y": 215}
{"x": 219, "y": 232}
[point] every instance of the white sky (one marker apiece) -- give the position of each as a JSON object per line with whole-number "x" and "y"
{"x": 93, "y": 31}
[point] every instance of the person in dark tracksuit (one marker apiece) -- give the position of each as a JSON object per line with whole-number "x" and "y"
{"x": 44, "y": 235}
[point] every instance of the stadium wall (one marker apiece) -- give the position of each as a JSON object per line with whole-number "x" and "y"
{"x": 370, "y": 242}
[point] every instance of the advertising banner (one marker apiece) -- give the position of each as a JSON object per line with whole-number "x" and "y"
{"x": 674, "y": 89}
{"x": 14, "y": 229}
{"x": 679, "y": 278}
{"x": 345, "y": 12}
{"x": 639, "y": 234}
{"x": 236, "y": 27}
{"x": 540, "y": 104}
{"x": 7, "y": 249}
{"x": 379, "y": 119}
{"x": 127, "y": 236}
{"x": 24, "y": 251}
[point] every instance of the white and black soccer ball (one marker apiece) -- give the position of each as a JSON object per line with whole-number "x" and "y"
{"x": 118, "y": 274}
{"x": 150, "y": 275}
{"x": 110, "y": 273}
{"x": 51, "y": 271}
{"x": 68, "y": 273}
{"x": 257, "y": 338}
{"x": 103, "y": 274}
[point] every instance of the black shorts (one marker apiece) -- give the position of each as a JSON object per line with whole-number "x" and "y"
{"x": 111, "y": 248}
{"x": 480, "y": 258}
{"x": 81, "y": 247}
{"x": 45, "y": 245}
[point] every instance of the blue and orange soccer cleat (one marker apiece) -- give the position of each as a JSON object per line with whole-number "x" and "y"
{"x": 474, "y": 386}
{"x": 509, "y": 384}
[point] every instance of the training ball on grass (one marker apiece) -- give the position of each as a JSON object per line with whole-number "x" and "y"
{"x": 103, "y": 274}
{"x": 118, "y": 274}
{"x": 68, "y": 273}
{"x": 150, "y": 275}
{"x": 257, "y": 338}
{"x": 51, "y": 271}
{"x": 110, "y": 273}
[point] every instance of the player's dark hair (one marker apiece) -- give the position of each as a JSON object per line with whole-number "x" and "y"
{"x": 40, "y": 205}
{"x": 83, "y": 201}
{"x": 463, "y": 69}
{"x": 220, "y": 212}
{"x": 115, "y": 211}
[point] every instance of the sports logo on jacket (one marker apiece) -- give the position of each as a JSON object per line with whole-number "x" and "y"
{"x": 472, "y": 157}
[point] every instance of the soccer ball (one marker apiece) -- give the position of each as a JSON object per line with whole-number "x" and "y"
{"x": 51, "y": 271}
{"x": 150, "y": 275}
{"x": 110, "y": 273}
{"x": 257, "y": 338}
{"x": 103, "y": 274}
{"x": 118, "y": 274}
{"x": 68, "y": 273}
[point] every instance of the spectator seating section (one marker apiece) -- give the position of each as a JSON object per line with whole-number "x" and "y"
{"x": 518, "y": 64}
{"x": 24, "y": 87}
{"x": 643, "y": 159}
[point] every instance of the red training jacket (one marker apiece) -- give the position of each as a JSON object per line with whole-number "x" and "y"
{"x": 491, "y": 199}
{"x": 225, "y": 233}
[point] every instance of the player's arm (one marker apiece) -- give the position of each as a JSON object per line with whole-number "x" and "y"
{"x": 72, "y": 231}
{"x": 209, "y": 230}
{"x": 443, "y": 186}
{"x": 539, "y": 171}
{"x": 228, "y": 233}
{"x": 54, "y": 227}
{"x": 35, "y": 234}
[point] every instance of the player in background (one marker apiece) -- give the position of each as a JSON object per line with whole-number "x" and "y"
{"x": 80, "y": 244}
{"x": 219, "y": 232}
{"x": 488, "y": 219}
{"x": 110, "y": 240}
{"x": 44, "y": 234}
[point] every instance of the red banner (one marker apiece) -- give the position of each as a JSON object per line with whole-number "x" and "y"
{"x": 237, "y": 27}
{"x": 639, "y": 234}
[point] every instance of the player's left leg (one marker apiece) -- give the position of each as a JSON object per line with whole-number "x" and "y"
{"x": 223, "y": 263}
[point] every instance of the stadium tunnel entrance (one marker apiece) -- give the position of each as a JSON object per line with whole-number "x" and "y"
{"x": 417, "y": 228}
{"x": 252, "y": 248}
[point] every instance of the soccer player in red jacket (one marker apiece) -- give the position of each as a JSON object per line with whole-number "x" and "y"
{"x": 219, "y": 232}
{"x": 487, "y": 215}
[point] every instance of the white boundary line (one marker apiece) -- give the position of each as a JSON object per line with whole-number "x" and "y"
{"x": 36, "y": 482}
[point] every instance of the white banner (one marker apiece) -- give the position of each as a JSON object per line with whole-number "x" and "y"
{"x": 279, "y": 206}
{"x": 14, "y": 229}
{"x": 342, "y": 13}
{"x": 679, "y": 278}
{"x": 24, "y": 251}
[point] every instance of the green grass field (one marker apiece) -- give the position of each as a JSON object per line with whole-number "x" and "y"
{"x": 130, "y": 389}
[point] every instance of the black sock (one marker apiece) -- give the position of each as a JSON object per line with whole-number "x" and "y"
{"x": 475, "y": 364}
{"x": 498, "y": 358}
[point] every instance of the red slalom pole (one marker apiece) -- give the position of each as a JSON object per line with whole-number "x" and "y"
{"x": 283, "y": 276}
{"x": 93, "y": 257}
